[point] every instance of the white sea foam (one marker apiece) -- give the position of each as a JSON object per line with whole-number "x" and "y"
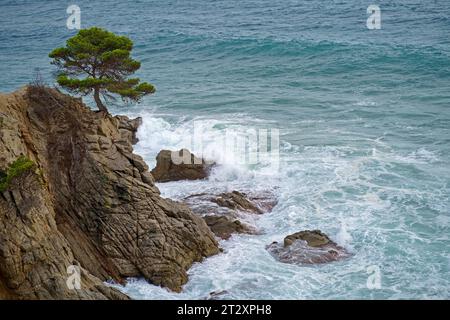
{"x": 358, "y": 198}
{"x": 344, "y": 238}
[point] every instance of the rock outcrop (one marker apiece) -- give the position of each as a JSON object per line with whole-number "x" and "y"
{"x": 232, "y": 202}
{"x": 236, "y": 200}
{"x": 179, "y": 165}
{"x": 226, "y": 213}
{"x": 307, "y": 247}
{"x": 87, "y": 201}
{"x": 223, "y": 226}
{"x": 130, "y": 126}
{"x": 221, "y": 212}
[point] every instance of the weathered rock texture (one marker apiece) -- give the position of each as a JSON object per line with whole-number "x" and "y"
{"x": 232, "y": 202}
{"x": 307, "y": 247}
{"x": 179, "y": 165}
{"x": 224, "y": 227}
{"x": 314, "y": 238}
{"x": 236, "y": 200}
{"x": 88, "y": 201}
{"x": 226, "y": 213}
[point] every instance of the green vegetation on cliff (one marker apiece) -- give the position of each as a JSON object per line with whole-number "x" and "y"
{"x": 15, "y": 169}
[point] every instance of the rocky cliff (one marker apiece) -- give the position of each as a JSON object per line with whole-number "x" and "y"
{"x": 73, "y": 193}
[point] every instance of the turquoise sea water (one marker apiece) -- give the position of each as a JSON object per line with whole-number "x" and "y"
{"x": 363, "y": 116}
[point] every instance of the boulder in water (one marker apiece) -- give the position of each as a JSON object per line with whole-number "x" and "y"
{"x": 180, "y": 165}
{"x": 307, "y": 247}
{"x": 227, "y": 212}
{"x": 217, "y": 295}
{"x": 315, "y": 238}
{"x": 232, "y": 202}
{"x": 236, "y": 200}
{"x": 223, "y": 227}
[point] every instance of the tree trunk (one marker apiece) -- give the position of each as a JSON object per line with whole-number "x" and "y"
{"x": 98, "y": 101}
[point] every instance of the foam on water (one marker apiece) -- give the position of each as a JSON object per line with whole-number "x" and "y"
{"x": 364, "y": 199}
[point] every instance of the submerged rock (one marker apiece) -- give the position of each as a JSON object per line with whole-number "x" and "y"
{"x": 216, "y": 295}
{"x": 90, "y": 202}
{"x": 179, "y": 165}
{"x": 307, "y": 247}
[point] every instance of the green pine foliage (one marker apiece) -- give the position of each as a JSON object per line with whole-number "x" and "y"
{"x": 99, "y": 62}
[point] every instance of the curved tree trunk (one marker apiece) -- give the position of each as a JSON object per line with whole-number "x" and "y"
{"x": 98, "y": 101}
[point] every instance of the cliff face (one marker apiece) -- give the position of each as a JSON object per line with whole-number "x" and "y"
{"x": 87, "y": 200}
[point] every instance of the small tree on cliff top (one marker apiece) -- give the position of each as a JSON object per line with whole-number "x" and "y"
{"x": 103, "y": 58}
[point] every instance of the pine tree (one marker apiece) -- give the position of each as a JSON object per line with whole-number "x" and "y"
{"x": 98, "y": 62}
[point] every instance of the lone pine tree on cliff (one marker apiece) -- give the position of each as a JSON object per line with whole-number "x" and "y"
{"x": 98, "y": 62}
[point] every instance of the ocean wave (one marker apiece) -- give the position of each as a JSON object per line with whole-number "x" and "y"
{"x": 370, "y": 202}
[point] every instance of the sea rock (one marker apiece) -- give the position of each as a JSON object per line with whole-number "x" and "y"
{"x": 226, "y": 213}
{"x": 217, "y": 295}
{"x": 179, "y": 165}
{"x": 89, "y": 202}
{"x": 223, "y": 226}
{"x": 232, "y": 202}
{"x": 315, "y": 238}
{"x": 265, "y": 201}
{"x": 307, "y": 247}
{"x": 236, "y": 200}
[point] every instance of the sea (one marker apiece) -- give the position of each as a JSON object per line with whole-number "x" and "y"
{"x": 360, "y": 117}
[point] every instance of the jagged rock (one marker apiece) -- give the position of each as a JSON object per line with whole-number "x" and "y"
{"x": 236, "y": 200}
{"x": 89, "y": 200}
{"x": 307, "y": 247}
{"x": 129, "y": 125}
{"x": 265, "y": 201}
{"x": 225, "y": 213}
{"x": 223, "y": 227}
{"x": 34, "y": 255}
{"x": 179, "y": 165}
{"x": 231, "y": 202}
